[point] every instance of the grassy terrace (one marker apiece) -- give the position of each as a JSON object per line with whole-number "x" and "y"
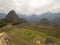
{"x": 28, "y": 35}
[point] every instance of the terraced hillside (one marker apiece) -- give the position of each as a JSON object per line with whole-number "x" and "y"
{"x": 29, "y": 35}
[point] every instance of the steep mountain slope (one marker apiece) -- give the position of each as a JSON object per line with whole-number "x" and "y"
{"x": 13, "y": 18}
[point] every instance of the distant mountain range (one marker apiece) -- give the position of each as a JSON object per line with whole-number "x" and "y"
{"x": 50, "y": 16}
{"x": 2, "y": 15}
{"x": 36, "y": 18}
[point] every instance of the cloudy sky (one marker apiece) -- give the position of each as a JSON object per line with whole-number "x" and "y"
{"x": 30, "y": 6}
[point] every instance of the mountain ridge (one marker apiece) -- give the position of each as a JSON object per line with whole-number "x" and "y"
{"x": 36, "y": 18}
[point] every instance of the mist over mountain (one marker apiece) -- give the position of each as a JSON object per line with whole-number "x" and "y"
{"x": 37, "y": 18}
{"x": 2, "y": 15}
{"x": 50, "y": 15}
{"x": 31, "y": 19}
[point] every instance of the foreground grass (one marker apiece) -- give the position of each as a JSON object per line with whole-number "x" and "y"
{"x": 23, "y": 36}
{"x": 29, "y": 35}
{"x": 26, "y": 36}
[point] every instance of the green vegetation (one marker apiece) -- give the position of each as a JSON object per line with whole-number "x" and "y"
{"x": 28, "y": 35}
{"x": 50, "y": 30}
{"x": 12, "y": 18}
{"x": 2, "y": 23}
{"x": 22, "y": 33}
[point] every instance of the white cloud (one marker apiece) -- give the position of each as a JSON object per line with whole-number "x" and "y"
{"x": 30, "y": 6}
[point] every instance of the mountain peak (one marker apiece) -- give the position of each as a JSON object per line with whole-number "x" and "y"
{"x": 13, "y": 18}
{"x": 12, "y": 12}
